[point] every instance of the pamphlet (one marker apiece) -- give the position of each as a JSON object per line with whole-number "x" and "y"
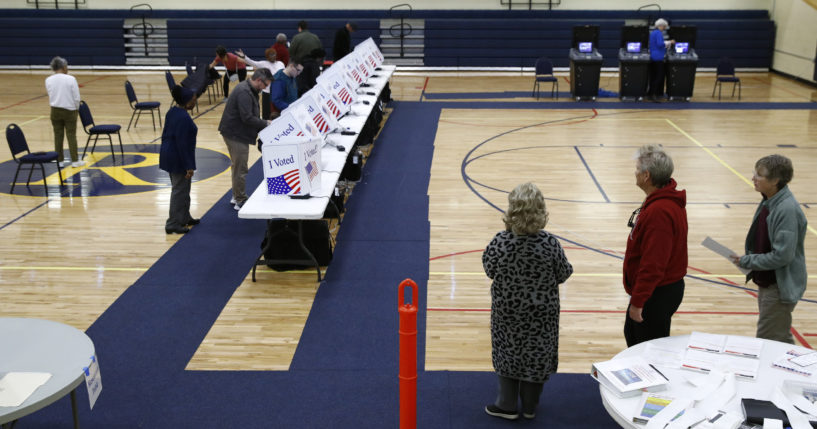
{"x": 706, "y": 342}
{"x": 743, "y": 346}
{"x": 629, "y": 376}
{"x": 722, "y": 250}
{"x": 650, "y": 405}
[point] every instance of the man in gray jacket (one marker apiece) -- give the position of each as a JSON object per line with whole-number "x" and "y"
{"x": 239, "y": 126}
{"x": 774, "y": 249}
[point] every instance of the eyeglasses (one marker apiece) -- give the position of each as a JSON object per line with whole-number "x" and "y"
{"x": 633, "y": 218}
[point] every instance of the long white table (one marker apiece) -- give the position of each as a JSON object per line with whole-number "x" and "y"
{"x": 623, "y": 409}
{"x": 262, "y": 205}
{"x": 35, "y": 345}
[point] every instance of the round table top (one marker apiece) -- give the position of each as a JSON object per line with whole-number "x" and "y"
{"x": 623, "y": 409}
{"x": 36, "y": 345}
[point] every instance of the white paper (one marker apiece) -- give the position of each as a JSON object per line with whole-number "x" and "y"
{"x": 722, "y": 250}
{"x": 663, "y": 357}
{"x": 697, "y": 360}
{"x": 717, "y": 400}
{"x": 16, "y": 387}
{"x": 706, "y": 342}
{"x": 628, "y": 374}
{"x": 797, "y": 420}
{"x": 706, "y": 384}
{"x": 743, "y": 346}
{"x": 805, "y": 360}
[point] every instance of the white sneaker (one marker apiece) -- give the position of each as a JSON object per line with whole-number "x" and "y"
{"x": 232, "y": 201}
{"x": 79, "y": 163}
{"x": 238, "y": 206}
{"x": 65, "y": 163}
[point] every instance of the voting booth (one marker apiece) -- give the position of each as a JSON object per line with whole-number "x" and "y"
{"x": 319, "y": 112}
{"x": 585, "y": 62}
{"x": 682, "y": 62}
{"x": 634, "y": 62}
{"x": 291, "y": 153}
{"x": 334, "y": 82}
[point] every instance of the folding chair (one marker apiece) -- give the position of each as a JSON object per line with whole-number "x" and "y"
{"x": 726, "y": 73}
{"x": 140, "y": 107}
{"x": 17, "y": 145}
{"x": 97, "y": 130}
{"x": 544, "y": 73}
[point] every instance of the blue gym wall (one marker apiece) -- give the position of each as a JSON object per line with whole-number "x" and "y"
{"x": 492, "y": 38}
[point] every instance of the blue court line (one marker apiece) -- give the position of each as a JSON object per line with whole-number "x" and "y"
{"x": 592, "y": 176}
{"x": 468, "y": 182}
{"x": 25, "y": 214}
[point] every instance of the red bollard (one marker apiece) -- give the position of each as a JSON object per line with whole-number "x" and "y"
{"x": 408, "y": 355}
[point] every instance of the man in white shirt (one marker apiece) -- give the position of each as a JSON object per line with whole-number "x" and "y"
{"x": 63, "y": 96}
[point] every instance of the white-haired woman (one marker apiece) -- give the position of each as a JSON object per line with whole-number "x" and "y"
{"x": 527, "y": 265}
{"x": 63, "y": 96}
{"x": 658, "y": 51}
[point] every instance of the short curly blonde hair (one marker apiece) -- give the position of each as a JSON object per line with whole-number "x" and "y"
{"x": 526, "y": 213}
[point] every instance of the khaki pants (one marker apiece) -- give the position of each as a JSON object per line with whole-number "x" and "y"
{"x": 239, "y": 153}
{"x": 774, "y": 320}
{"x": 64, "y": 122}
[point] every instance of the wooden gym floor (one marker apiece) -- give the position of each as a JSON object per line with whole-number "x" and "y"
{"x": 67, "y": 258}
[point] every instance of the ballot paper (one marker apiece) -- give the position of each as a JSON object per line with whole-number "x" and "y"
{"x": 722, "y": 250}
{"x": 16, "y": 387}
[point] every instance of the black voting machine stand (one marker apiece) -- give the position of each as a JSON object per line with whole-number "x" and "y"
{"x": 681, "y": 66}
{"x": 634, "y": 67}
{"x": 585, "y": 67}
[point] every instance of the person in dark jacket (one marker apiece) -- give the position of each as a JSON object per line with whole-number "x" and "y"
{"x": 284, "y": 89}
{"x": 526, "y": 264}
{"x": 343, "y": 41}
{"x": 655, "y": 261}
{"x": 308, "y": 77}
{"x": 177, "y": 156}
{"x": 239, "y": 127}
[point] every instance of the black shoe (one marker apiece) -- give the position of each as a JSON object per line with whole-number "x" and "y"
{"x": 495, "y": 411}
{"x": 177, "y": 230}
{"x": 193, "y": 222}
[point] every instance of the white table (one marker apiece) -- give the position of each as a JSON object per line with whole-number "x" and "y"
{"x": 262, "y": 205}
{"x": 35, "y": 345}
{"x": 623, "y": 409}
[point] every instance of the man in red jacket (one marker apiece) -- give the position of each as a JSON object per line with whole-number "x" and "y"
{"x": 656, "y": 259}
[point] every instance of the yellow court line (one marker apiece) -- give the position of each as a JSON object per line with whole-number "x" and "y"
{"x": 729, "y": 167}
{"x": 32, "y": 120}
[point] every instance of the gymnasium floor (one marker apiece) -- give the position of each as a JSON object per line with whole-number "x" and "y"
{"x": 70, "y": 256}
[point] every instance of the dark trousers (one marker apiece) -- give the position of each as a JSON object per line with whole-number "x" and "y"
{"x": 64, "y": 123}
{"x": 265, "y": 105}
{"x": 511, "y": 390}
{"x": 242, "y": 74}
{"x": 179, "y": 213}
{"x": 657, "y": 74}
{"x": 657, "y": 314}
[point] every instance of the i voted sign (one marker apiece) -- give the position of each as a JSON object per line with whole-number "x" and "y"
{"x": 291, "y": 153}
{"x": 93, "y": 380}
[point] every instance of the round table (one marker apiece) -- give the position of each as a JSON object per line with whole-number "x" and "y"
{"x": 35, "y": 345}
{"x": 623, "y": 409}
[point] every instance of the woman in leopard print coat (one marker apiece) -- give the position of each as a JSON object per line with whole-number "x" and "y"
{"x": 527, "y": 265}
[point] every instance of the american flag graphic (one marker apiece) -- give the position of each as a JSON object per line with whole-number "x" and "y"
{"x": 372, "y": 62}
{"x": 287, "y": 183}
{"x": 333, "y": 108}
{"x": 300, "y": 133}
{"x": 323, "y": 127}
{"x": 356, "y": 76}
{"x": 363, "y": 70}
{"x": 345, "y": 98}
{"x": 312, "y": 170}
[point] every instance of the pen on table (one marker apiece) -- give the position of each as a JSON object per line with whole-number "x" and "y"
{"x": 659, "y": 372}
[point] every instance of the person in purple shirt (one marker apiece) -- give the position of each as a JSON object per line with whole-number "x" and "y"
{"x": 658, "y": 51}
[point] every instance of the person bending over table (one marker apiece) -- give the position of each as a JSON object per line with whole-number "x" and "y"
{"x": 239, "y": 127}
{"x": 526, "y": 264}
{"x": 284, "y": 89}
{"x": 273, "y": 66}
{"x": 177, "y": 156}
{"x": 774, "y": 249}
{"x": 233, "y": 65}
{"x": 655, "y": 261}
